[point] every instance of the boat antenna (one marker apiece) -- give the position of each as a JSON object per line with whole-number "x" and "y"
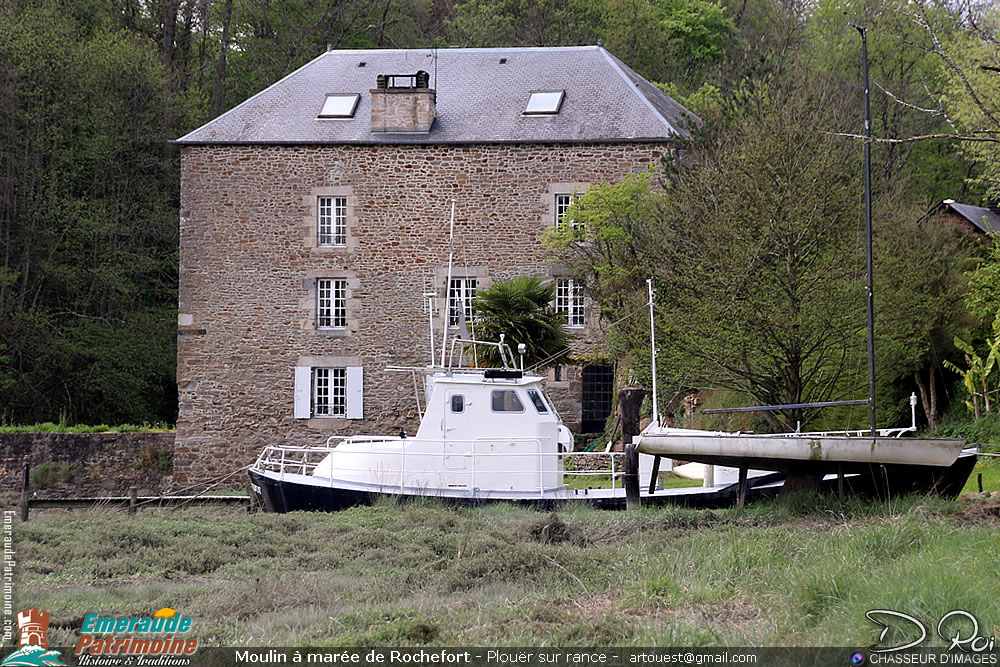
{"x": 447, "y": 286}
{"x": 869, "y": 287}
{"x": 652, "y": 350}
{"x": 430, "y": 319}
{"x": 472, "y": 322}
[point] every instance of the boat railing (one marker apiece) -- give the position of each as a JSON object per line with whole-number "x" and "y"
{"x": 291, "y": 460}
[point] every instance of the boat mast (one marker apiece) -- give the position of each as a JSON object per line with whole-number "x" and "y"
{"x": 652, "y": 349}
{"x": 868, "y": 233}
{"x": 447, "y": 286}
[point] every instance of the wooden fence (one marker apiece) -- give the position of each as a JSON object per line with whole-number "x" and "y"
{"x": 132, "y": 502}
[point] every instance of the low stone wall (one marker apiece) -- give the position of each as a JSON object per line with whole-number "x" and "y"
{"x": 88, "y": 464}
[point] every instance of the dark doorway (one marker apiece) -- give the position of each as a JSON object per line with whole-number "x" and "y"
{"x": 598, "y": 384}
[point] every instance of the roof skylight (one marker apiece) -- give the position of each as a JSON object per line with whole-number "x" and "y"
{"x": 544, "y": 102}
{"x": 340, "y": 106}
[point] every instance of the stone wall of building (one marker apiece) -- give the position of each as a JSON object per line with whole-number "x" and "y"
{"x": 250, "y": 261}
{"x": 89, "y": 464}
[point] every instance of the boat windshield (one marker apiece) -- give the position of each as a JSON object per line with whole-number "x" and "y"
{"x": 536, "y": 399}
{"x": 506, "y": 400}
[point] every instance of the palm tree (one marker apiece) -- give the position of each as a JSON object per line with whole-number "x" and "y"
{"x": 521, "y": 310}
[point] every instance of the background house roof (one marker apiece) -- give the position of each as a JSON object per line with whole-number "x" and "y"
{"x": 985, "y": 220}
{"x": 479, "y": 100}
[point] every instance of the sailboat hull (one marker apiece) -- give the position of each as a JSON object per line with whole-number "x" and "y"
{"x": 814, "y": 453}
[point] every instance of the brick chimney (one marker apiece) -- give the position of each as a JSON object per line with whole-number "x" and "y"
{"x": 403, "y": 104}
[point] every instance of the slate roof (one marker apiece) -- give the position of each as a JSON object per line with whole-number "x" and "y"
{"x": 479, "y": 100}
{"x": 985, "y": 220}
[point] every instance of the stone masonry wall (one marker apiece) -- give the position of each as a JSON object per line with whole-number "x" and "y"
{"x": 249, "y": 262}
{"x": 403, "y": 110}
{"x": 88, "y": 464}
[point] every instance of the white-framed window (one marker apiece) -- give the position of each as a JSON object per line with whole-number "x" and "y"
{"x": 331, "y": 303}
{"x": 460, "y": 294}
{"x": 329, "y": 397}
{"x": 569, "y": 301}
{"x": 329, "y": 392}
{"x": 331, "y": 223}
{"x": 563, "y": 202}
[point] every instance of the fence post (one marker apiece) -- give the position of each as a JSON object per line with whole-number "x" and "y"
{"x": 631, "y": 477}
{"x": 132, "y": 493}
{"x": 25, "y": 488}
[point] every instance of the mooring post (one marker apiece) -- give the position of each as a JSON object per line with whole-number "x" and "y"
{"x": 979, "y": 478}
{"x": 630, "y": 405}
{"x": 631, "y": 477}
{"x": 132, "y": 498}
{"x": 840, "y": 482}
{"x": 251, "y": 498}
{"x": 741, "y": 488}
{"x": 25, "y": 488}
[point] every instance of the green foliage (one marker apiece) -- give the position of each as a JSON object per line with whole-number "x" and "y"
{"x": 985, "y": 430}
{"x": 519, "y": 309}
{"x": 89, "y": 277}
{"x": 49, "y": 474}
{"x": 972, "y": 96}
{"x": 155, "y": 460}
{"x": 984, "y": 284}
{"x": 525, "y": 23}
{"x": 906, "y": 77}
{"x": 668, "y": 40}
{"x": 754, "y": 249}
{"x": 977, "y": 375}
{"x": 63, "y": 427}
{"x": 7, "y": 376}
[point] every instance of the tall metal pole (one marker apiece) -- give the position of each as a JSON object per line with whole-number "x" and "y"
{"x": 652, "y": 349}
{"x": 868, "y": 233}
{"x": 447, "y": 286}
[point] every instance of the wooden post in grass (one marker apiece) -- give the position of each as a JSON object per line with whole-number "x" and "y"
{"x": 25, "y": 488}
{"x": 631, "y": 477}
{"x": 741, "y": 488}
{"x": 132, "y": 498}
{"x": 630, "y": 404}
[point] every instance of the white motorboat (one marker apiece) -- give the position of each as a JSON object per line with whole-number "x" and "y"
{"x": 486, "y": 435}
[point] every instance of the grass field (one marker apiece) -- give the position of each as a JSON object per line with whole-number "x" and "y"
{"x": 802, "y": 571}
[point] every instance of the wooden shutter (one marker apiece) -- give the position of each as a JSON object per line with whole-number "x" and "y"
{"x": 355, "y": 392}
{"x": 303, "y": 392}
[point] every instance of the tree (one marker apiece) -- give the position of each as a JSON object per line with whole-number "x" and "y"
{"x": 962, "y": 100}
{"x": 907, "y": 78}
{"x": 525, "y": 23}
{"x": 920, "y": 283}
{"x": 753, "y": 245}
{"x": 984, "y": 284}
{"x": 87, "y": 217}
{"x": 668, "y": 40}
{"x": 520, "y": 310}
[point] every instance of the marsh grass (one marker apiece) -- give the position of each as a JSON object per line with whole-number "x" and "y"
{"x": 802, "y": 571}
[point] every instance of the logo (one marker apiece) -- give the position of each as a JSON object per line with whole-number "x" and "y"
{"x": 959, "y": 628}
{"x": 162, "y": 635}
{"x": 857, "y": 658}
{"x": 33, "y": 648}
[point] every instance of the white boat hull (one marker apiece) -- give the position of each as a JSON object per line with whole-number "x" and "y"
{"x": 793, "y": 451}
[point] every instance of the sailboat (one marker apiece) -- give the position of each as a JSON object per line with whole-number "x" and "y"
{"x": 876, "y": 460}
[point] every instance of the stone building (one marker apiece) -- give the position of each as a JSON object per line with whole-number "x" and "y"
{"x": 315, "y": 231}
